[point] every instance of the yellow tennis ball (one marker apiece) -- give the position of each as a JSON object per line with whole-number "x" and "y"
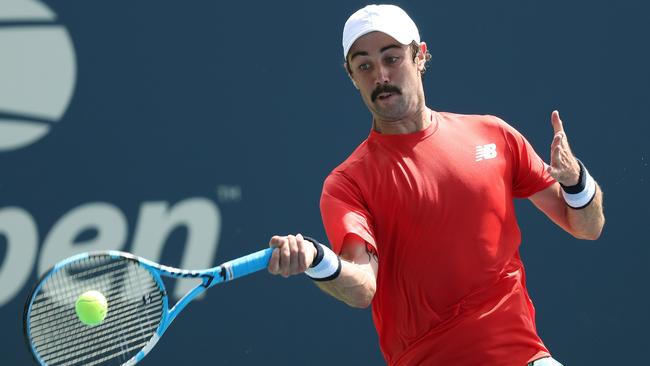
{"x": 91, "y": 307}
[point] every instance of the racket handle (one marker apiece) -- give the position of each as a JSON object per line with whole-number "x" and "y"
{"x": 247, "y": 264}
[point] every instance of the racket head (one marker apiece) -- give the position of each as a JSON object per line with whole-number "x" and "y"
{"x": 137, "y": 311}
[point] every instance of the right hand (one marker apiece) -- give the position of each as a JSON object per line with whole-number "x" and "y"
{"x": 292, "y": 255}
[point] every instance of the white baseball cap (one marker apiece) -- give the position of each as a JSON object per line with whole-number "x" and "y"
{"x": 389, "y": 19}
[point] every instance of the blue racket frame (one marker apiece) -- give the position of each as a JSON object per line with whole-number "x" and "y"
{"x": 210, "y": 277}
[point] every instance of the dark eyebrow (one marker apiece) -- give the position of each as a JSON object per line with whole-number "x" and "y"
{"x": 389, "y": 47}
{"x": 358, "y": 53}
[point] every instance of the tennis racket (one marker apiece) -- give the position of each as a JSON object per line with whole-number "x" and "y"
{"x": 138, "y": 306}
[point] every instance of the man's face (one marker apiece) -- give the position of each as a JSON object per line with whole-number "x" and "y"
{"x": 388, "y": 79}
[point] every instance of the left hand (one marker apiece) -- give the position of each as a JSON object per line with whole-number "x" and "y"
{"x": 564, "y": 166}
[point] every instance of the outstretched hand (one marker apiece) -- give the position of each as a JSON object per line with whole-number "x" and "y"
{"x": 564, "y": 166}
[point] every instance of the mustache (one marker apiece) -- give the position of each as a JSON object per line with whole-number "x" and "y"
{"x": 384, "y": 88}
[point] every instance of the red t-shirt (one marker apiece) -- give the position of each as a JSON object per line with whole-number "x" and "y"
{"x": 437, "y": 206}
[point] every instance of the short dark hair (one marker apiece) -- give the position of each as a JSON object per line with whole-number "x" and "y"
{"x": 415, "y": 49}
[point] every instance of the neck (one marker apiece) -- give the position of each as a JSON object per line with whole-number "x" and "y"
{"x": 417, "y": 121}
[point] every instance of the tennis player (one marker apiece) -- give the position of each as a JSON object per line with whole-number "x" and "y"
{"x": 420, "y": 217}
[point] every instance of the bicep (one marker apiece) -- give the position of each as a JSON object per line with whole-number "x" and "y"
{"x": 357, "y": 282}
{"x": 355, "y": 250}
{"x": 551, "y": 203}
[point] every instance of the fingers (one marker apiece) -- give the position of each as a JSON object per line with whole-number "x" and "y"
{"x": 287, "y": 256}
{"x": 564, "y": 167}
{"x": 556, "y": 149}
{"x": 274, "y": 262}
{"x": 275, "y": 241}
{"x": 556, "y": 160}
{"x": 292, "y": 255}
{"x": 560, "y": 145}
{"x": 556, "y": 122}
{"x": 302, "y": 253}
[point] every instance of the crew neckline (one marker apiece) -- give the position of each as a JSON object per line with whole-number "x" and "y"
{"x": 413, "y": 136}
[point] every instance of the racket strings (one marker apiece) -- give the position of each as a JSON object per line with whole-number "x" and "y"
{"x": 121, "y": 345}
{"x": 71, "y": 335}
{"x": 53, "y": 316}
{"x": 135, "y": 308}
{"x": 82, "y": 333}
{"x": 72, "y": 284}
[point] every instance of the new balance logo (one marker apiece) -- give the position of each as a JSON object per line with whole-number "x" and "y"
{"x": 484, "y": 152}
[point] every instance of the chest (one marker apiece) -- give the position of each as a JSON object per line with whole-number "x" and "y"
{"x": 459, "y": 171}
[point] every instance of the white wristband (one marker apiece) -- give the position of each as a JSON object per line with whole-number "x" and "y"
{"x": 329, "y": 266}
{"x": 584, "y": 197}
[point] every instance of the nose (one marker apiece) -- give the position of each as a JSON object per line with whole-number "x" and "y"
{"x": 381, "y": 76}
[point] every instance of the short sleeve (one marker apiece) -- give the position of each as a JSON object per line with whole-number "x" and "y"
{"x": 344, "y": 212}
{"x": 530, "y": 174}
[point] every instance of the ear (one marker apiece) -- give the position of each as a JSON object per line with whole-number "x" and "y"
{"x": 422, "y": 58}
{"x": 347, "y": 72}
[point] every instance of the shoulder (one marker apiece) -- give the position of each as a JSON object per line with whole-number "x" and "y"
{"x": 352, "y": 176}
{"x": 352, "y": 162}
{"x": 474, "y": 120}
{"x": 481, "y": 123}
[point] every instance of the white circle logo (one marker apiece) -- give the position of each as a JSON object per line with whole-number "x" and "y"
{"x": 37, "y": 72}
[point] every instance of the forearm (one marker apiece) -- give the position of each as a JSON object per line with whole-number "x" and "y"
{"x": 587, "y": 223}
{"x": 583, "y": 223}
{"x": 350, "y": 277}
{"x": 355, "y": 285}
{"x": 578, "y": 205}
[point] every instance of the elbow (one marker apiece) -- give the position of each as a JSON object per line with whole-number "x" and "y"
{"x": 592, "y": 234}
{"x": 362, "y": 300}
{"x": 587, "y": 236}
{"x": 360, "y": 303}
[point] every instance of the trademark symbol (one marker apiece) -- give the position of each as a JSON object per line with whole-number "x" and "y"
{"x": 227, "y": 193}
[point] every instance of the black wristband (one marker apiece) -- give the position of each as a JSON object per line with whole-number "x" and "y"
{"x": 582, "y": 181}
{"x": 330, "y": 262}
{"x": 580, "y": 195}
{"x": 319, "y": 251}
{"x": 332, "y": 276}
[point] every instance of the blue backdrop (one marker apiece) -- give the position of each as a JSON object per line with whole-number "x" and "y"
{"x": 192, "y": 131}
